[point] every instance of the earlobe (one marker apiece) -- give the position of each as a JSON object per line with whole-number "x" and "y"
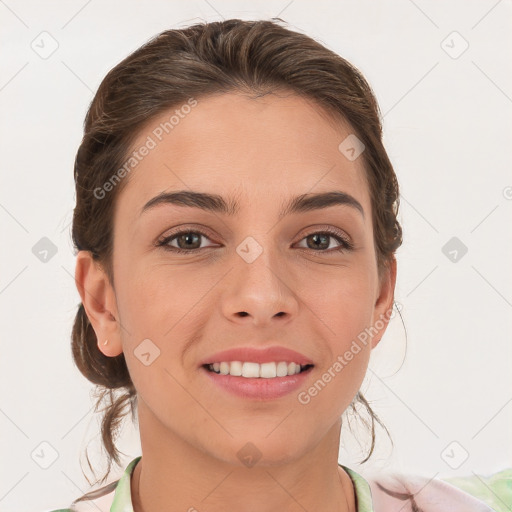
{"x": 99, "y": 302}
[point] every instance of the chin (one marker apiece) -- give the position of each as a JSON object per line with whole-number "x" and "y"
{"x": 257, "y": 448}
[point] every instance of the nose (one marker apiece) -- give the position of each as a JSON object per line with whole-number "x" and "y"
{"x": 260, "y": 292}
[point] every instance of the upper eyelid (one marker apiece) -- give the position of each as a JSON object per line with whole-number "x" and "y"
{"x": 193, "y": 228}
{"x": 187, "y": 228}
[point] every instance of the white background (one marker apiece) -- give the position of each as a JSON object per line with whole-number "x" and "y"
{"x": 447, "y": 125}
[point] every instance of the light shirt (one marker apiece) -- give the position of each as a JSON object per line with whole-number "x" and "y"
{"x": 459, "y": 494}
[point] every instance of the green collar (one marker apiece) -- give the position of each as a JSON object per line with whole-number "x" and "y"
{"x": 122, "y": 501}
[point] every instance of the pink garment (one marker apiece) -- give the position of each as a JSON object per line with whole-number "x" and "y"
{"x": 430, "y": 495}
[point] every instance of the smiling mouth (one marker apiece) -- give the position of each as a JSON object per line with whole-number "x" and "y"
{"x": 251, "y": 370}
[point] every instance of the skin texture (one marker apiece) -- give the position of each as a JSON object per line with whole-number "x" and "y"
{"x": 261, "y": 152}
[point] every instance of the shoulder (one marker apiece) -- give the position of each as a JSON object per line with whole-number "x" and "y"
{"x": 474, "y": 493}
{"x": 494, "y": 489}
{"x": 113, "y": 497}
{"x": 99, "y": 500}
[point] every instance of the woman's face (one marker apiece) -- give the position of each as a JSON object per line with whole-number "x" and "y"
{"x": 250, "y": 279}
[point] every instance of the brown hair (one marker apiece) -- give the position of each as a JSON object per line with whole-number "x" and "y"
{"x": 208, "y": 58}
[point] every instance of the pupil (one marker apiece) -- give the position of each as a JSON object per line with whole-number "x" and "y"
{"x": 187, "y": 237}
{"x": 317, "y": 237}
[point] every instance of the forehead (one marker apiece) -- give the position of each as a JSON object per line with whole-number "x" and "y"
{"x": 261, "y": 149}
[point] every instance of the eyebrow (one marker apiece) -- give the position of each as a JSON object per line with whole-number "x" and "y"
{"x": 216, "y": 203}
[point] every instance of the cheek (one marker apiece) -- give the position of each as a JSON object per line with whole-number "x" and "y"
{"x": 152, "y": 296}
{"x": 155, "y": 306}
{"x": 158, "y": 303}
{"x": 346, "y": 311}
{"x": 346, "y": 303}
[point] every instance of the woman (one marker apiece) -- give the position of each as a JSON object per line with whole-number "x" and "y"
{"x": 236, "y": 227}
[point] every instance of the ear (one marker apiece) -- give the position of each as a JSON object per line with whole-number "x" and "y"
{"x": 384, "y": 305}
{"x": 99, "y": 301}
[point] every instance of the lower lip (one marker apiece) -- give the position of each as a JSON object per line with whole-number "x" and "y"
{"x": 259, "y": 388}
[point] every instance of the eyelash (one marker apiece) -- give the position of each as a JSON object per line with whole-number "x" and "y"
{"x": 346, "y": 245}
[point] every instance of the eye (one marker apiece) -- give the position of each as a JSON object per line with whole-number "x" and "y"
{"x": 320, "y": 239}
{"x": 189, "y": 241}
{"x": 186, "y": 239}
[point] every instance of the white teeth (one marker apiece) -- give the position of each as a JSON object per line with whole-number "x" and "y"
{"x": 249, "y": 369}
{"x": 236, "y": 368}
{"x": 256, "y": 370}
{"x": 268, "y": 370}
{"x": 282, "y": 369}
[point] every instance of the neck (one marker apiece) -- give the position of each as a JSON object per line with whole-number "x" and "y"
{"x": 174, "y": 475}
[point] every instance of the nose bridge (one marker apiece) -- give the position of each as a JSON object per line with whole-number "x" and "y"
{"x": 259, "y": 264}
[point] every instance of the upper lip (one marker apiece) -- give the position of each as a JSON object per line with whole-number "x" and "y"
{"x": 257, "y": 355}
